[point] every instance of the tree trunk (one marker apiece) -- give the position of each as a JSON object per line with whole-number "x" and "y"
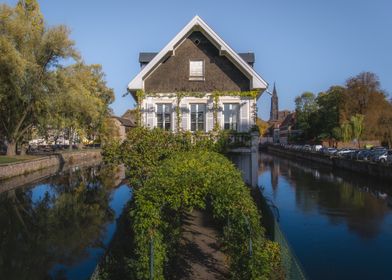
{"x": 11, "y": 148}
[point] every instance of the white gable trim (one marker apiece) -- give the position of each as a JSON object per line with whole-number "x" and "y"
{"x": 256, "y": 81}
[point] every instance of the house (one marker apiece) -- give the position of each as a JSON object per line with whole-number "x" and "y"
{"x": 123, "y": 125}
{"x": 197, "y": 82}
{"x": 287, "y": 129}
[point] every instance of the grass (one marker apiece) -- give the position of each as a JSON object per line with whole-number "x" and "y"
{"x": 6, "y": 159}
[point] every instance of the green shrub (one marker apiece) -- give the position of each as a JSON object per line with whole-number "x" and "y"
{"x": 185, "y": 181}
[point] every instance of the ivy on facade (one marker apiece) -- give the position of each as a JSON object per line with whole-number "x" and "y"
{"x": 215, "y": 95}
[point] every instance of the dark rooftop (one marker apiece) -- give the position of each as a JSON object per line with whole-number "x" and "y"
{"x": 125, "y": 122}
{"x": 146, "y": 57}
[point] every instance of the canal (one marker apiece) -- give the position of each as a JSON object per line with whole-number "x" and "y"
{"x": 339, "y": 224}
{"x": 59, "y": 228}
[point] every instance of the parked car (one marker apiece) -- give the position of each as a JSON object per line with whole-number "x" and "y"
{"x": 351, "y": 155}
{"x": 342, "y": 152}
{"x": 307, "y": 148}
{"x": 364, "y": 155}
{"x": 317, "y": 148}
{"x": 389, "y": 156}
{"x": 378, "y": 154}
{"x": 330, "y": 151}
{"x": 383, "y": 157}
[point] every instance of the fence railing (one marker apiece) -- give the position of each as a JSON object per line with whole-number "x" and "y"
{"x": 291, "y": 265}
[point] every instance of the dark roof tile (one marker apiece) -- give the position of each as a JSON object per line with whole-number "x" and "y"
{"x": 146, "y": 57}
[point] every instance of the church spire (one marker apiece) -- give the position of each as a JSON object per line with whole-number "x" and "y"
{"x": 274, "y": 114}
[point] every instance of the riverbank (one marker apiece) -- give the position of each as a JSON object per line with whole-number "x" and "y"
{"x": 363, "y": 167}
{"x": 14, "y": 169}
{"x": 330, "y": 217}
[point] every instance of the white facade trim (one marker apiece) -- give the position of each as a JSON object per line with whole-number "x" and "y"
{"x": 245, "y": 103}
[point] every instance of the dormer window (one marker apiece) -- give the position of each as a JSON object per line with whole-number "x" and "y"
{"x": 196, "y": 70}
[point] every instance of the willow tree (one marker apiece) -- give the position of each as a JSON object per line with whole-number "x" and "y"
{"x": 357, "y": 126}
{"x": 81, "y": 101}
{"x": 30, "y": 52}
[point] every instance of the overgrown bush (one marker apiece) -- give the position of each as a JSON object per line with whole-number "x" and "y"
{"x": 185, "y": 181}
{"x": 144, "y": 149}
{"x": 174, "y": 173}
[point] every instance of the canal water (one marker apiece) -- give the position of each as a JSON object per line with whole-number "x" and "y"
{"x": 59, "y": 228}
{"x": 339, "y": 224}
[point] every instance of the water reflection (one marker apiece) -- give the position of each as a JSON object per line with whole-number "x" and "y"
{"x": 333, "y": 219}
{"x": 60, "y": 227}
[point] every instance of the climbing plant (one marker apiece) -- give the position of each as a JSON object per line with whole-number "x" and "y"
{"x": 139, "y": 99}
{"x": 215, "y": 95}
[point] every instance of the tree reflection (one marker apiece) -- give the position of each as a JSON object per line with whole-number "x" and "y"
{"x": 341, "y": 200}
{"x": 70, "y": 217}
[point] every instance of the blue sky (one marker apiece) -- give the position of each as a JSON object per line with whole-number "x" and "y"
{"x": 302, "y": 45}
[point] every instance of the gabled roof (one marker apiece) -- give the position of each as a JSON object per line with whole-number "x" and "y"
{"x": 198, "y": 24}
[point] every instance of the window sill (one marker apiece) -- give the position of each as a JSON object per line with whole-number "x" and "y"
{"x": 197, "y": 79}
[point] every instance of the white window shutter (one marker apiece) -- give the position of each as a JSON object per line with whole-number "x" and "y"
{"x": 174, "y": 117}
{"x": 210, "y": 120}
{"x": 244, "y": 113}
{"x": 185, "y": 116}
{"x": 150, "y": 115}
{"x": 219, "y": 117}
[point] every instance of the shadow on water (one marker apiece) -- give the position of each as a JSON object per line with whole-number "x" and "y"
{"x": 60, "y": 227}
{"x": 339, "y": 223}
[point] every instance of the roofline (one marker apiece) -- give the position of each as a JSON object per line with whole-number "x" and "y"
{"x": 257, "y": 82}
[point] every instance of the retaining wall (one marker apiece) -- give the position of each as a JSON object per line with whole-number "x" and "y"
{"x": 364, "y": 167}
{"x": 25, "y": 167}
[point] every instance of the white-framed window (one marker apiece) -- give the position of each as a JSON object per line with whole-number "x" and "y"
{"x": 230, "y": 116}
{"x": 164, "y": 116}
{"x": 196, "y": 70}
{"x": 198, "y": 115}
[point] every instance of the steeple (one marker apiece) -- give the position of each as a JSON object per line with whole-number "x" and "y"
{"x": 274, "y": 114}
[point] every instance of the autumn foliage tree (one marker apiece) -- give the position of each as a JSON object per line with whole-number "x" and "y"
{"x": 358, "y": 110}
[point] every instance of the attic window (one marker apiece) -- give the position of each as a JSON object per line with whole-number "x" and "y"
{"x": 196, "y": 70}
{"x": 197, "y": 42}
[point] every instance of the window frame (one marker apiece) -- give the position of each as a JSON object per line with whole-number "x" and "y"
{"x": 164, "y": 105}
{"x": 196, "y": 78}
{"x": 196, "y": 112}
{"x": 237, "y": 119}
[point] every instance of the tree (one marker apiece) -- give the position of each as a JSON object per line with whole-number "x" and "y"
{"x": 328, "y": 112}
{"x": 30, "y": 53}
{"x": 363, "y": 95}
{"x": 347, "y": 132}
{"x": 357, "y": 126}
{"x": 262, "y": 125}
{"x": 306, "y": 107}
{"x": 385, "y": 125}
{"x": 81, "y": 101}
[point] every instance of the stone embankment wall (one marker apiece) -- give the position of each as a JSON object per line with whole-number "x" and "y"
{"x": 26, "y": 167}
{"x": 364, "y": 167}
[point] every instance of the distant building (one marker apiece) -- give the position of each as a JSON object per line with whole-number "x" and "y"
{"x": 123, "y": 125}
{"x": 274, "y": 113}
{"x": 287, "y": 128}
{"x": 281, "y": 123}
